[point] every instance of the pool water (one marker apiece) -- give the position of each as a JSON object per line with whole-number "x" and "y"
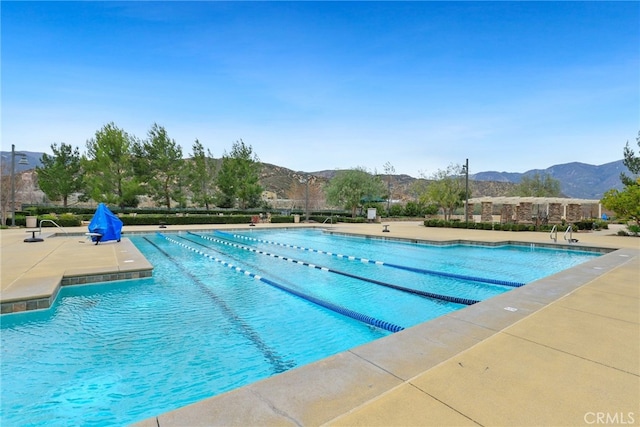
{"x": 120, "y": 352}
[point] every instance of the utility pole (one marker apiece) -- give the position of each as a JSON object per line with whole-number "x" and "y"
{"x": 389, "y": 196}
{"x": 13, "y": 185}
{"x": 466, "y": 193}
{"x": 306, "y": 203}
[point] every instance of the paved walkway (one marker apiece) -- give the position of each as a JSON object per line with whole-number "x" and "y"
{"x": 560, "y": 351}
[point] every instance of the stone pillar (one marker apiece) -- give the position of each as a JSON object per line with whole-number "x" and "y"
{"x": 487, "y": 212}
{"x": 524, "y": 213}
{"x": 470, "y": 212}
{"x": 506, "y": 214}
{"x": 555, "y": 213}
{"x": 574, "y": 212}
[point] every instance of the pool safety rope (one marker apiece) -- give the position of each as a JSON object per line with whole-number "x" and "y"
{"x": 387, "y": 326}
{"x": 278, "y": 363}
{"x": 400, "y": 267}
{"x": 456, "y": 300}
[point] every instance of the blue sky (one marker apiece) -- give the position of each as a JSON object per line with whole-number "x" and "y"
{"x": 512, "y": 86}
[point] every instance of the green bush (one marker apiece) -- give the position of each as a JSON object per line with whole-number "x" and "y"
{"x": 591, "y": 224}
{"x": 634, "y": 229}
{"x": 348, "y": 219}
{"x": 411, "y": 209}
{"x": 282, "y": 219}
{"x": 397, "y": 210}
{"x": 478, "y": 225}
{"x": 64, "y": 220}
{"x": 433, "y": 223}
{"x": 185, "y": 219}
{"x": 20, "y": 221}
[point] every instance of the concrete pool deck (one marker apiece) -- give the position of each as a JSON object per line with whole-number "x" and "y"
{"x": 564, "y": 350}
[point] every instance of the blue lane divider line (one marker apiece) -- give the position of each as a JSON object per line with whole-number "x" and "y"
{"x": 278, "y": 363}
{"x": 401, "y": 267}
{"x": 388, "y": 326}
{"x": 457, "y": 300}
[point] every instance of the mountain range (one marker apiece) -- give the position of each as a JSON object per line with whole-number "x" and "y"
{"x": 577, "y": 180}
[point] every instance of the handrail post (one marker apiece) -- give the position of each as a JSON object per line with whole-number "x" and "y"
{"x": 52, "y": 222}
{"x": 570, "y": 232}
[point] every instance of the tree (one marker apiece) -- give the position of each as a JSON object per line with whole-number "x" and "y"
{"x": 202, "y": 176}
{"x": 305, "y": 189}
{"x": 447, "y": 189}
{"x": 632, "y": 162}
{"x": 108, "y": 163}
{"x": 60, "y": 174}
{"x": 349, "y": 187}
{"x": 538, "y": 185}
{"x": 389, "y": 170}
{"x": 158, "y": 165}
{"x": 238, "y": 177}
{"x": 626, "y": 203}
{"x": 418, "y": 190}
{"x": 419, "y": 209}
{"x": 6, "y": 188}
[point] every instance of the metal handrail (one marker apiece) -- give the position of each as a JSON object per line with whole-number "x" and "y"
{"x": 328, "y": 218}
{"x": 554, "y": 234}
{"x": 52, "y": 222}
{"x": 570, "y": 232}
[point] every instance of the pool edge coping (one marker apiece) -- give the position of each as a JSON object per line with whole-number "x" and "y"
{"x": 37, "y": 291}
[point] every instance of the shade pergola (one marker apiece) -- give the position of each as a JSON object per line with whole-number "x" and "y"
{"x": 534, "y": 200}
{"x": 572, "y": 205}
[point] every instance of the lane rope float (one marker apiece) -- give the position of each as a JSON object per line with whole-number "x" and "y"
{"x": 278, "y": 363}
{"x": 447, "y": 298}
{"x": 382, "y": 324}
{"x": 387, "y": 264}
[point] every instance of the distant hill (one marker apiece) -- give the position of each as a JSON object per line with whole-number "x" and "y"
{"x": 579, "y": 180}
{"x": 402, "y": 185}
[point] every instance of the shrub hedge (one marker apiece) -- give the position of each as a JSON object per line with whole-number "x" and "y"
{"x": 580, "y": 225}
{"x": 76, "y": 220}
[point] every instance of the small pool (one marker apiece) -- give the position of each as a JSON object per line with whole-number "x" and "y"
{"x": 223, "y": 310}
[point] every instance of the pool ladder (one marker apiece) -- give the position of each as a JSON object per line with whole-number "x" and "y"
{"x": 52, "y": 222}
{"x": 554, "y": 234}
{"x": 329, "y": 218}
{"x": 569, "y": 232}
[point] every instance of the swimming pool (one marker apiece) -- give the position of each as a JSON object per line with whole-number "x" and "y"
{"x": 120, "y": 352}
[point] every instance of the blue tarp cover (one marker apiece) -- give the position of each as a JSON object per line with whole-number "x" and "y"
{"x": 105, "y": 223}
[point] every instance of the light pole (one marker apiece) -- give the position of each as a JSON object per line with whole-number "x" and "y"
{"x": 305, "y": 181}
{"x": 389, "y": 196}
{"x": 23, "y": 161}
{"x": 466, "y": 193}
{"x": 306, "y": 200}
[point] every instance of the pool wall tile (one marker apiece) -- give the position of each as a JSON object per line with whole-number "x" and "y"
{"x": 453, "y": 242}
{"x": 16, "y": 304}
{"x": 39, "y": 289}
